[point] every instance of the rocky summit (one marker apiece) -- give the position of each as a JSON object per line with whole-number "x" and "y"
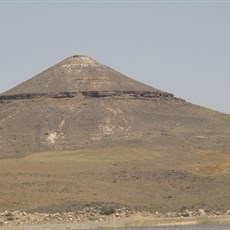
{"x": 80, "y": 102}
{"x": 78, "y": 74}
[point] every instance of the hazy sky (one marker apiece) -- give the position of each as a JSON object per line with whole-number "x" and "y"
{"x": 182, "y": 47}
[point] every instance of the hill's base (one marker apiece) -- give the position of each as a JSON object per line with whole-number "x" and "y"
{"x": 140, "y": 179}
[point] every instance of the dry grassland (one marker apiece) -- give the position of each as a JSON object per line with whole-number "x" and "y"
{"x": 137, "y": 178}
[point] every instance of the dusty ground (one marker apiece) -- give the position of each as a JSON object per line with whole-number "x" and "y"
{"x": 126, "y": 177}
{"x": 38, "y": 221}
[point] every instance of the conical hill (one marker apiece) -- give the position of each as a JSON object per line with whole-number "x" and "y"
{"x": 79, "y": 102}
{"x": 83, "y": 132}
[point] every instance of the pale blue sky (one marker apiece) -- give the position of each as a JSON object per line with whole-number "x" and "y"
{"x": 182, "y": 47}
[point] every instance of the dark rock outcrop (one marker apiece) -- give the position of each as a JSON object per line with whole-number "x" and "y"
{"x": 94, "y": 94}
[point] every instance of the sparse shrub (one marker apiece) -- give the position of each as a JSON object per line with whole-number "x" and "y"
{"x": 10, "y": 216}
{"x": 107, "y": 210}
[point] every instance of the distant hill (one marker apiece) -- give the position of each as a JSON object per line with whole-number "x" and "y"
{"x": 79, "y": 102}
{"x": 109, "y": 138}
